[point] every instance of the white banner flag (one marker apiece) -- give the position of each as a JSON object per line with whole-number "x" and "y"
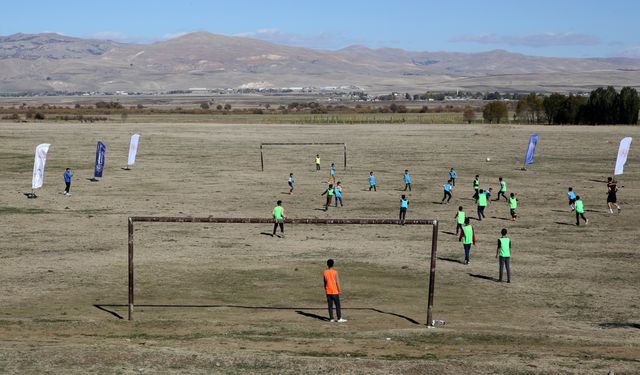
{"x": 38, "y": 165}
{"x": 133, "y": 149}
{"x": 623, "y": 151}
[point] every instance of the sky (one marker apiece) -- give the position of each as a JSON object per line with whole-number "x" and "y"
{"x": 562, "y": 28}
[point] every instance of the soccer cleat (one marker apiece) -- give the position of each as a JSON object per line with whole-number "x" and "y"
{"x": 586, "y": 222}
{"x": 342, "y": 320}
{"x": 332, "y": 320}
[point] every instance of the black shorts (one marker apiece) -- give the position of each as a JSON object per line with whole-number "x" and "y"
{"x": 571, "y": 201}
{"x": 513, "y": 212}
{"x": 611, "y": 198}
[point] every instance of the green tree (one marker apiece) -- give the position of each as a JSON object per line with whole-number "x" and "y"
{"x": 495, "y": 111}
{"x": 554, "y": 105}
{"x": 628, "y": 106}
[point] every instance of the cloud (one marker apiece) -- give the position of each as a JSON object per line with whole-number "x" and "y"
{"x": 531, "y": 40}
{"x": 321, "y": 40}
{"x": 118, "y": 36}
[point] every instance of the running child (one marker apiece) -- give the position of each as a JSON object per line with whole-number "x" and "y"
{"x": 332, "y": 291}
{"x": 317, "y": 162}
{"x": 291, "y": 183}
{"x": 447, "y": 192}
{"x": 278, "y": 218}
{"x": 503, "y": 190}
{"x": 580, "y": 211}
{"x": 460, "y": 216}
{"x": 468, "y": 238}
{"x": 572, "y": 199}
{"x": 612, "y": 199}
{"x": 338, "y": 192}
{"x": 404, "y": 205}
{"x": 453, "y": 175}
{"x": 332, "y": 173}
{"x": 503, "y": 252}
{"x": 372, "y": 182}
{"x": 513, "y": 204}
{"x": 329, "y": 193}
{"x": 482, "y": 203}
{"x": 407, "y": 180}
{"x": 476, "y": 188}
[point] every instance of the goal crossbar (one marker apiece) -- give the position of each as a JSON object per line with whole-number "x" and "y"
{"x": 344, "y": 146}
{"x": 236, "y": 220}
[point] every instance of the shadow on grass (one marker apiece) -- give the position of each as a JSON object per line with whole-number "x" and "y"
{"x": 452, "y": 260}
{"x": 594, "y": 180}
{"x": 447, "y": 232}
{"x": 620, "y": 325}
{"x": 93, "y": 179}
{"x": 483, "y": 277}
{"x": 267, "y": 234}
{"x": 500, "y": 218}
{"x": 563, "y": 223}
{"x": 298, "y": 310}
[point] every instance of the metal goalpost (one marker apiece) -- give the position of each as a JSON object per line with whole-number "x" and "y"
{"x": 230, "y": 220}
{"x": 344, "y": 147}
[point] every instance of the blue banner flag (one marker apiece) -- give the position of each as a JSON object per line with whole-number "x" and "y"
{"x": 533, "y": 141}
{"x": 100, "y": 151}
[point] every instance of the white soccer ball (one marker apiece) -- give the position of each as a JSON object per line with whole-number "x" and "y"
{"x": 488, "y": 159}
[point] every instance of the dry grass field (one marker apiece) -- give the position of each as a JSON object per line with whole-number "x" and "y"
{"x": 232, "y": 299}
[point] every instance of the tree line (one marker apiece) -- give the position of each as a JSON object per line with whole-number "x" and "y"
{"x": 602, "y": 106}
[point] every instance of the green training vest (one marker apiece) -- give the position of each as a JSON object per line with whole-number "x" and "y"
{"x": 476, "y": 184}
{"x": 503, "y": 186}
{"x": 461, "y": 216}
{"x": 482, "y": 200}
{"x": 579, "y": 206}
{"x": 330, "y": 192}
{"x": 277, "y": 212}
{"x": 467, "y": 235}
{"x": 513, "y": 203}
{"x": 505, "y": 247}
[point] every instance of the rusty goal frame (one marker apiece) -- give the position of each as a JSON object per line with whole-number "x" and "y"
{"x": 344, "y": 146}
{"x": 228, "y": 220}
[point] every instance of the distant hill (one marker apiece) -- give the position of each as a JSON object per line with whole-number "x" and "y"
{"x": 48, "y": 62}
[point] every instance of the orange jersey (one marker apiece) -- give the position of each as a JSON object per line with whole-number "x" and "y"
{"x": 331, "y": 282}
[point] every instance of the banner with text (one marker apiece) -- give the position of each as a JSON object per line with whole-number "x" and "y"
{"x": 38, "y": 165}
{"x": 100, "y": 156}
{"x": 623, "y": 152}
{"x": 533, "y": 141}
{"x": 133, "y": 149}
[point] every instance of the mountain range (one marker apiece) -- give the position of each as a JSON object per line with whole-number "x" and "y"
{"x": 54, "y": 62}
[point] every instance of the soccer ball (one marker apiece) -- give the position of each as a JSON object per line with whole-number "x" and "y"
{"x": 488, "y": 159}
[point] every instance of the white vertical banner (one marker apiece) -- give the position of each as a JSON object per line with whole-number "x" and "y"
{"x": 133, "y": 149}
{"x": 38, "y": 165}
{"x": 623, "y": 152}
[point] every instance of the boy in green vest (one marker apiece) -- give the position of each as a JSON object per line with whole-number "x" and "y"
{"x": 503, "y": 190}
{"x": 580, "y": 211}
{"x": 317, "y": 162}
{"x": 503, "y": 252}
{"x": 513, "y": 204}
{"x": 482, "y": 203}
{"x": 329, "y": 193}
{"x": 460, "y": 216}
{"x": 468, "y": 238}
{"x": 278, "y": 217}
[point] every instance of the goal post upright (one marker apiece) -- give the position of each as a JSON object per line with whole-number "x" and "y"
{"x": 230, "y": 220}
{"x": 344, "y": 147}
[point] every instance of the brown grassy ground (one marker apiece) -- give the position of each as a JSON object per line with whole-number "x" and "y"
{"x": 238, "y": 301}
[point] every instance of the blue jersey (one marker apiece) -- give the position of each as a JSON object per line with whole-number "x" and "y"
{"x": 407, "y": 178}
{"x": 372, "y": 180}
{"x": 453, "y": 174}
{"x": 332, "y": 171}
{"x": 572, "y": 195}
{"x": 404, "y": 203}
{"x": 338, "y": 192}
{"x": 447, "y": 187}
{"x": 67, "y": 176}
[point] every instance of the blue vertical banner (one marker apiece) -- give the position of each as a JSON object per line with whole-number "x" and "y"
{"x": 533, "y": 141}
{"x": 100, "y": 155}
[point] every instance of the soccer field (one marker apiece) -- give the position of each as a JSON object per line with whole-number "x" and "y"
{"x": 230, "y": 298}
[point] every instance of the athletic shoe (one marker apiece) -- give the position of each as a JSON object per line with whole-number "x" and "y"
{"x": 586, "y": 222}
{"x": 332, "y": 320}
{"x": 342, "y": 320}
